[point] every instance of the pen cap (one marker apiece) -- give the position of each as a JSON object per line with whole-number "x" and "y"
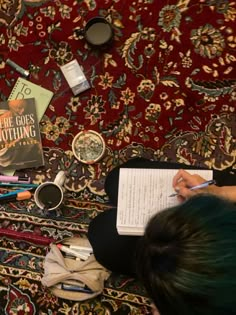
{"x": 24, "y": 195}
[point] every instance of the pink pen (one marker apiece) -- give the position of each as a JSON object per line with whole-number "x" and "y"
{"x": 14, "y": 179}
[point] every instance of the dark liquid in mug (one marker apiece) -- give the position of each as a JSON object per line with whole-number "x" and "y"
{"x": 49, "y": 196}
{"x": 99, "y": 33}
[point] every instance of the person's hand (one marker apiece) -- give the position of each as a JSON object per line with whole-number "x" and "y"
{"x": 154, "y": 310}
{"x": 183, "y": 181}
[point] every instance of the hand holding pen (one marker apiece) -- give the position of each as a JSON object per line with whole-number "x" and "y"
{"x": 186, "y": 184}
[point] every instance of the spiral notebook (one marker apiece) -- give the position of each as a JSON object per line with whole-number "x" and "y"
{"x": 26, "y": 89}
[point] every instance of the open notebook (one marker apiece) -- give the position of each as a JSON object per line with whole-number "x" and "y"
{"x": 142, "y": 193}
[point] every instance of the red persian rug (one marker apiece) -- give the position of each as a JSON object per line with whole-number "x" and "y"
{"x": 165, "y": 89}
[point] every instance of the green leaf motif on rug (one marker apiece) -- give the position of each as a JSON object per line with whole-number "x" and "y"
{"x": 215, "y": 89}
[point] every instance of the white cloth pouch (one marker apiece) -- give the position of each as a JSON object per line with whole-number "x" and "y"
{"x": 64, "y": 276}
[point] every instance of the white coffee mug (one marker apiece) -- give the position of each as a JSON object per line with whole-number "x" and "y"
{"x": 49, "y": 195}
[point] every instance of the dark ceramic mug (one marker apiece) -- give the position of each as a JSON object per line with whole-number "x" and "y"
{"x": 98, "y": 32}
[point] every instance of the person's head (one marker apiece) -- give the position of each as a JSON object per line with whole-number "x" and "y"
{"x": 187, "y": 258}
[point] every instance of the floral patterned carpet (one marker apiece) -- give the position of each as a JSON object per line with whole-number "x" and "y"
{"x": 165, "y": 89}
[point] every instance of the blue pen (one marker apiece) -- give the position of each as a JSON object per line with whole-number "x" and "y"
{"x": 202, "y": 185}
{"x": 18, "y": 185}
{"x": 68, "y": 287}
{"x": 15, "y": 195}
{"x": 12, "y": 193}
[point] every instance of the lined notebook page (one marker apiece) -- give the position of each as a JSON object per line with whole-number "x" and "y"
{"x": 143, "y": 192}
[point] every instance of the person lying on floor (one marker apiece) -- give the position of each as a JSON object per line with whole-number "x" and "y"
{"x": 187, "y": 256}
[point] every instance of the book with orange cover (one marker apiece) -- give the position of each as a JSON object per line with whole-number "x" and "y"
{"x": 20, "y": 140}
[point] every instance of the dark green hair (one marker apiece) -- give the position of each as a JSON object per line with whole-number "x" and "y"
{"x": 187, "y": 258}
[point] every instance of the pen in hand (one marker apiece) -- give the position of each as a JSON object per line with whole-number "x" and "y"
{"x": 202, "y": 185}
